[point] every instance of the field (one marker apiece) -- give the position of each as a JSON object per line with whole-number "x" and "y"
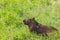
{"x": 12, "y": 13}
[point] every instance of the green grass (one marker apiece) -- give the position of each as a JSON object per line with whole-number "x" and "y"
{"x": 12, "y": 13}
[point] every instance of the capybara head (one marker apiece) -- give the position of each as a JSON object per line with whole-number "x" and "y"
{"x": 28, "y": 21}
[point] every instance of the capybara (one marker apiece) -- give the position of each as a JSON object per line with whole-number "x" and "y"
{"x": 38, "y": 28}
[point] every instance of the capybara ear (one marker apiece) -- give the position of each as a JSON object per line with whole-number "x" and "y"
{"x": 33, "y": 18}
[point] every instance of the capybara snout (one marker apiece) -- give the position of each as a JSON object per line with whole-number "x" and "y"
{"x": 26, "y": 21}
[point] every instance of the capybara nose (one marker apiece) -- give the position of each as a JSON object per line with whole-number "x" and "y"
{"x": 23, "y": 20}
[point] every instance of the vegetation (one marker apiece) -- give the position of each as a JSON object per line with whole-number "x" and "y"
{"x": 12, "y": 13}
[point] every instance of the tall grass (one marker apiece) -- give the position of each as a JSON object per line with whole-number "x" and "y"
{"x": 12, "y": 13}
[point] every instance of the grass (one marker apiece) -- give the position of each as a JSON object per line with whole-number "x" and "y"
{"x": 12, "y": 13}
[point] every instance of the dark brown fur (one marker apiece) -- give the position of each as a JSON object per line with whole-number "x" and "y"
{"x": 34, "y": 26}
